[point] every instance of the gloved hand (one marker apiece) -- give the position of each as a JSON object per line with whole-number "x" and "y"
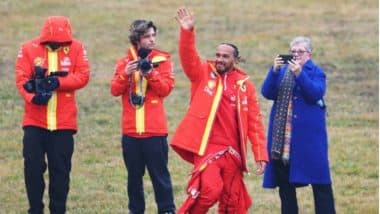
{"x": 49, "y": 83}
{"x": 41, "y": 98}
{"x": 39, "y": 72}
{"x": 30, "y": 86}
{"x": 38, "y": 75}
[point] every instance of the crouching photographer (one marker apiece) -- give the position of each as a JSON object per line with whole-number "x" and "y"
{"x": 49, "y": 69}
{"x": 143, "y": 78}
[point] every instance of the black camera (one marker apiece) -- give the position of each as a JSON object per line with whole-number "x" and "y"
{"x": 34, "y": 84}
{"x": 144, "y": 64}
{"x": 286, "y": 58}
{"x": 42, "y": 83}
{"x": 137, "y": 100}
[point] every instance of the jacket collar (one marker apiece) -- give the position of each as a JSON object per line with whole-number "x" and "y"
{"x": 309, "y": 64}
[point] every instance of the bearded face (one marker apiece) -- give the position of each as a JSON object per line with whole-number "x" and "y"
{"x": 224, "y": 58}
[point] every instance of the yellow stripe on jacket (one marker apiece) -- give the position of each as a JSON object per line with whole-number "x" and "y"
{"x": 212, "y": 114}
{"x": 51, "y": 111}
{"x": 140, "y": 111}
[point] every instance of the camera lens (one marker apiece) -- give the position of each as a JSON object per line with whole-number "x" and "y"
{"x": 145, "y": 66}
{"x": 137, "y": 99}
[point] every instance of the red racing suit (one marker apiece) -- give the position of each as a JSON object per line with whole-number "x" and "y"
{"x": 61, "y": 110}
{"x": 191, "y": 138}
{"x": 150, "y": 118}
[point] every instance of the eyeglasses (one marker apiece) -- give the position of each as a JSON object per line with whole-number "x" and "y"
{"x": 299, "y": 52}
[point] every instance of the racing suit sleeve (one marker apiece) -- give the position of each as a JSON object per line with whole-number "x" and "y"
{"x": 119, "y": 82}
{"x": 23, "y": 72}
{"x": 190, "y": 60}
{"x": 161, "y": 79}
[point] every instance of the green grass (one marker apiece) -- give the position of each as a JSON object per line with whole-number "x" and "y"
{"x": 345, "y": 36}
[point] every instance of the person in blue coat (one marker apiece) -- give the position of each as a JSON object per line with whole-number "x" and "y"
{"x": 297, "y": 135}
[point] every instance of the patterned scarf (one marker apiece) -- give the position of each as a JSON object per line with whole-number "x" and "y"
{"x": 282, "y": 120}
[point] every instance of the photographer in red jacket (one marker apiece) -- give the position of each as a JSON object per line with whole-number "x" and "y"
{"x": 143, "y": 78}
{"x": 223, "y": 114}
{"x": 49, "y": 69}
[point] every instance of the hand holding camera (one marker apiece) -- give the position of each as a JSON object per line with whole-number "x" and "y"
{"x": 295, "y": 67}
{"x": 144, "y": 64}
{"x": 43, "y": 83}
{"x": 286, "y": 58}
{"x": 33, "y": 84}
{"x": 281, "y": 60}
{"x": 49, "y": 83}
{"x": 41, "y": 98}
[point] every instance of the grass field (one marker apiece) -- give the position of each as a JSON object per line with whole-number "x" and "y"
{"x": 345, "y": 36}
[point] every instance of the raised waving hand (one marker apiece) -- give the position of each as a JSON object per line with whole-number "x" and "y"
{"x": 185, "y": 18}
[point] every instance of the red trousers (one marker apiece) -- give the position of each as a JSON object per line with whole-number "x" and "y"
{"x": 217, "y": 179}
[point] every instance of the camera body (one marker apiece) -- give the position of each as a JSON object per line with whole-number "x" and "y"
{"x": 40, "y": 83}
{"x": 144, "y": 65}
{"x": 36, "y": 83}
{"x": 286, "y": 58}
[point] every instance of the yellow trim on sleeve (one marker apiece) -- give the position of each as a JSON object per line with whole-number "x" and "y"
{"x": 158, "y": 59}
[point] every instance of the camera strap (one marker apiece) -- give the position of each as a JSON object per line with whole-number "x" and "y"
{"x": 141, "y": 83}
{"x": 138, "y": 86}
{"x": 139, "y": 80}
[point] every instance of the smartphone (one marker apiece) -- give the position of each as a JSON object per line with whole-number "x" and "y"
{"x": 286, "y": 58}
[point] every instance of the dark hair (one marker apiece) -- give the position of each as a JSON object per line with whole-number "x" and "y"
{"x": 236, "y": 51}
{"x": 138, "y": 28}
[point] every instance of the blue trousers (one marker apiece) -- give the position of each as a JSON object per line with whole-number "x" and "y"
{"x": 152, "y": 153}
{"x": 58, "y": 147}
{"x": 323, "y": 194}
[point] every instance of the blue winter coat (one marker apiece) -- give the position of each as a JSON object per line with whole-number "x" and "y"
{"x": 308, "y": 153}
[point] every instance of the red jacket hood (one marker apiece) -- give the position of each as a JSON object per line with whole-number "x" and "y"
{"x": 56, "y": 29}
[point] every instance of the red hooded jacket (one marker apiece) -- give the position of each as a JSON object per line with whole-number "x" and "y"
{"x": 150, "y": 118}
{"x": 61, "y": 110}
{"x": 192, "y": 135}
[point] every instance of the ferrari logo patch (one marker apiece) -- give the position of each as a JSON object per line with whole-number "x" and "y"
{"x": 66, "y": 50}
{"x": 38, "y": 61}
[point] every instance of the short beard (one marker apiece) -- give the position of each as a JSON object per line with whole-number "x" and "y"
{"x": 221, "y": 71}
{"x": 224, "y": 70}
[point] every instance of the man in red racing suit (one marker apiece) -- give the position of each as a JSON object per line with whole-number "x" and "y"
{"x": 223, "y": 113}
